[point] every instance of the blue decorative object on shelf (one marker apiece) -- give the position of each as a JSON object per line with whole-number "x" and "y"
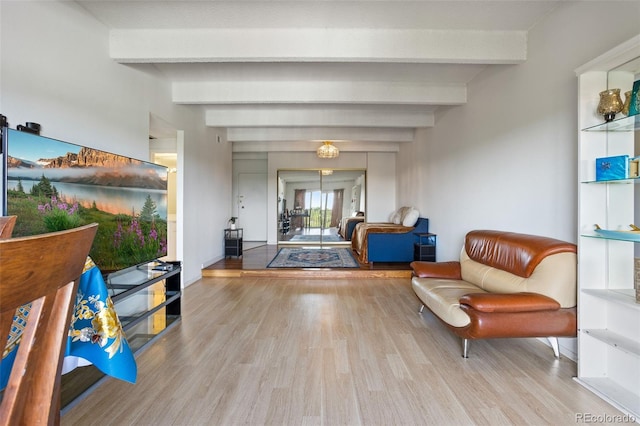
{"x": 612, "y": 168}
{"x": 634, "y": 104}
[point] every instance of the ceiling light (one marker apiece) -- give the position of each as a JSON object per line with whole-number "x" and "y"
{"x": 328, "y": 150}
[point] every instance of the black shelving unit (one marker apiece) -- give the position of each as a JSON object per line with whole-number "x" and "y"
{"x": 425, "y": 248}
{"x": 285, "y": 224}
{"x": 233, "y": 242}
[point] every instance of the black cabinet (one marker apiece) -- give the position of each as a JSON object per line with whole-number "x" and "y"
{"x": 284, "y": 225}
{"x": 233, "y": 242}
{"x": 425, "y": 248}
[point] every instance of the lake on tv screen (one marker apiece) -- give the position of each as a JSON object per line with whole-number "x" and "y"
{"x": 107, "y": 199}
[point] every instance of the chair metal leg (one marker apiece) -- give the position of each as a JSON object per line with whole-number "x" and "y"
{"x": 465, "y": 348}
{"x": 421, "y": 309}
{"x": 554, "y": 344}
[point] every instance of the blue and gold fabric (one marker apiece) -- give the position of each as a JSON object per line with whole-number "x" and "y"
{"x": 11, "y": 348}
{"x": 95, "y": 335}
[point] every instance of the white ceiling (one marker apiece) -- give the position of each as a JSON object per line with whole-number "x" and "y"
{"x": 280, "y": 74}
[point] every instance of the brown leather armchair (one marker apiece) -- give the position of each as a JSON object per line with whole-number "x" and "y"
{"x": 505, "y": 285}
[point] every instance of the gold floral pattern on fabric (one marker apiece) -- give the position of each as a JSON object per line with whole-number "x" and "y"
{"x": 104, "y": 323}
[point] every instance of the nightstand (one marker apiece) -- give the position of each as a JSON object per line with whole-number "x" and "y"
{"x": 233, "y": 242}
{"x": 425, "y": 248}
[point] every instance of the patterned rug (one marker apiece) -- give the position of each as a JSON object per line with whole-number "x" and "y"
{"x": 328, "y": 238}
{"x": 313, "y": 258}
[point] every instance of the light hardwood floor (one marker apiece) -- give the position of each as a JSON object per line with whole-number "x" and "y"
{"x": 328, "y": 352}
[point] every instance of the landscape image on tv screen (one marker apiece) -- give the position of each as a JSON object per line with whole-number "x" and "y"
{"x": 54, "y": 185}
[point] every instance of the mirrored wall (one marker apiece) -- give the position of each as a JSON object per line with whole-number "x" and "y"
{"x": 320, "y": 206}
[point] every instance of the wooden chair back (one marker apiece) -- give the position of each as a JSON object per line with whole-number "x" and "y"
{"x": 6, "y": 226}
{"x": 42, "y": 270}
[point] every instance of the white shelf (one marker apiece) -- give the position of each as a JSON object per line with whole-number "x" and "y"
{"x": 626, "y": 345}
{"x": 622, "y": 124}
{"x": 626, "y": 401}
{"x": 620, "y": 236}
{"x": 626, "y": 297}
{"x": 613, "y": 181}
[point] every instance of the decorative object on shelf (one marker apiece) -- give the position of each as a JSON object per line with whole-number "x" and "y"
{"x": 610, "y": 104}
{"x": 612, "y": 168}
{"x": 232, "y": 222}
{"x": 634, "y": 167}
{"x": 627, "y": 103}
{"x": 632, "y": 235}
{"x": 634, "y": 103}
{"x": 327, "y": 150}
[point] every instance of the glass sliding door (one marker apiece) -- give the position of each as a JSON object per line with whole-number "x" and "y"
{"x": 312, "y": 205}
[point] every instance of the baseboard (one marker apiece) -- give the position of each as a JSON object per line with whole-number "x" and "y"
{"x": 210, "y": 262}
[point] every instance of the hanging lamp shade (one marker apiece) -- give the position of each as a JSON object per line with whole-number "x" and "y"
{"x": 328, "y": 150}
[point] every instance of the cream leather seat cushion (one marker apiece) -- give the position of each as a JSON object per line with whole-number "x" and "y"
{"x": 442, "y": 297}
{"x": 555, "y": 277}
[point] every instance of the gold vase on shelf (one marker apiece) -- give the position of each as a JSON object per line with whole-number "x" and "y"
{"x": 627, "y": 103}
{"x": 610, "y": 104}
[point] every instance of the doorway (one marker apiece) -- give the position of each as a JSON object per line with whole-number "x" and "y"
{"x": 166, "y": 147}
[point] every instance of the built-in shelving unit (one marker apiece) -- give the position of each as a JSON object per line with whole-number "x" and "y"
{"x": 608, "y": 313}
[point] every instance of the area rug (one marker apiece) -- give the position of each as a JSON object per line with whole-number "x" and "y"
{"x": 327, "y": 238}
{"x": 313, "y": 258}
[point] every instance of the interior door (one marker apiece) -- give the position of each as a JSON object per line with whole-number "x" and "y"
{"x": 252, "y": 206}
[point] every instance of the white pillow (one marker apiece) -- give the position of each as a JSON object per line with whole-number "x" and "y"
{"x": 394, "y": 217}
{"x": 411, "y": 217}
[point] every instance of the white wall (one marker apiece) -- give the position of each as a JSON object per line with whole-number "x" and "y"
{"x": 507, "y": 159}
{"x": 55, "y": 70}
{"x": 381, "y": 186}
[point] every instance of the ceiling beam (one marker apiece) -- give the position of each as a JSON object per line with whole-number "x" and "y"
{"x": 316, "y": 116}
{"x": 307, "y": 146}
{"x": 326, "y": 92}
{"x": 317, "y": 134}
{"x": 318, "y": 45}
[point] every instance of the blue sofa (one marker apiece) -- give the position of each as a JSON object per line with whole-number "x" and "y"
{"x": 395, "y": 247}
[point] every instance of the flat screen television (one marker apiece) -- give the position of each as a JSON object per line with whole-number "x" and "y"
{"x": 52, "y": 185}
